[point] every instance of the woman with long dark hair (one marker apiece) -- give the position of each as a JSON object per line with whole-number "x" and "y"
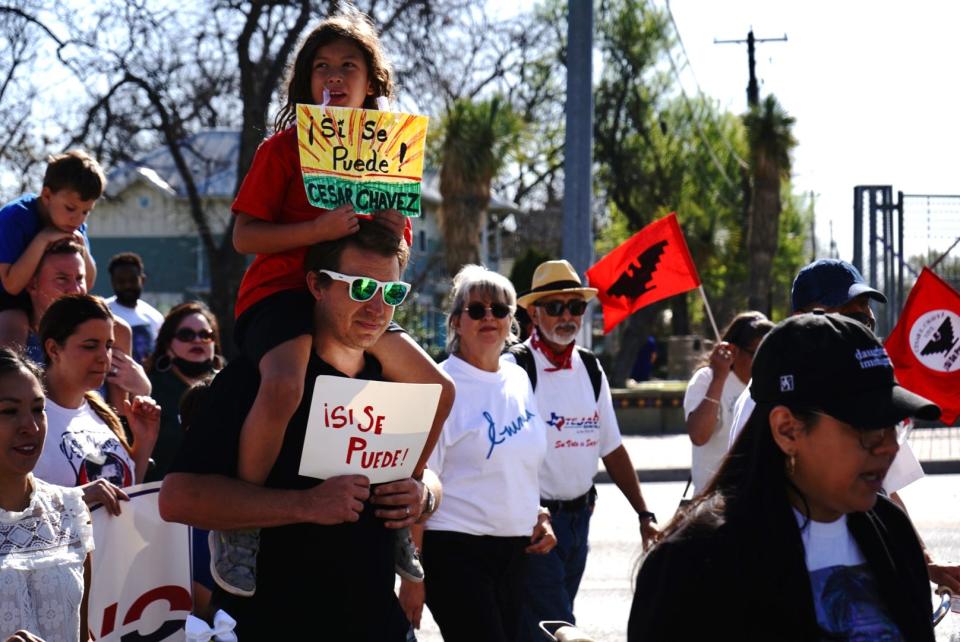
{"x": 45, "y": 530}
{"x": 86, "y": 440}
{"x": 187, "y": 351}
{"x": 793, "y": 539}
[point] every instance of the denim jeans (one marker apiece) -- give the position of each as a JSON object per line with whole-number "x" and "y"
{"x": 553, "y": 579}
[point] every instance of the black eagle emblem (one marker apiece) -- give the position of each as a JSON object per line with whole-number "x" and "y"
{"x": 942, "y": 340}
{"x": 634, "y": 281}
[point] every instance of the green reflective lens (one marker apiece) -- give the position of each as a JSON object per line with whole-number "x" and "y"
{"x": 363, "y": 289}
{"x": 394, "y": 293}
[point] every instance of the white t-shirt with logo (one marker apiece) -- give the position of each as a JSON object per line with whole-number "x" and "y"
{"x": 580, "y": 428}
{"x": 81, "y": 448}
{"x": 706, "y": 458}
{"x": 489, "y": 453}
{"x": 904, "y": 470}
{"x": 144, "y": 320}
{"x": 845, "y": 592}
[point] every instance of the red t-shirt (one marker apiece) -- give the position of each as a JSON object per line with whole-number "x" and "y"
{"x": 273, "y": 191}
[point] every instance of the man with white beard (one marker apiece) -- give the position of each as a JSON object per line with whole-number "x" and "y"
{"x": 574, "y": 400}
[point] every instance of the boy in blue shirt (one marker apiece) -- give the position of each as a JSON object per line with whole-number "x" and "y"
{"x": 29, "y": 225}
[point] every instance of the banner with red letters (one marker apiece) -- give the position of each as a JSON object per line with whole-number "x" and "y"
{"x": 371, "y": 428}
{"x": 140, "y": 580}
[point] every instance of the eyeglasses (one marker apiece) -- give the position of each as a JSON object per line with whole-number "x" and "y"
{"x": 477, "y": 311}
{"x": 872, "y": 439}
{"x": 555, "y": 308}
{"x": 363, "y": 288}
{"x": 189, "y": 335}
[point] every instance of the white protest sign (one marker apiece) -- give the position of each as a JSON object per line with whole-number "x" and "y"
{"x": 140, "y": 582}
{"x": 372, "y": 428}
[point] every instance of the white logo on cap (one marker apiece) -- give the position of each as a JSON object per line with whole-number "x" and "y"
{"x": 786, "y": 383}
{"x": 934, "y": 340}
{"x": 873, "y": 358}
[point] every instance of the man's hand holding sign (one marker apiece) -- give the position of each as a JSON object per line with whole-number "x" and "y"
{"x": 366, "y": 430}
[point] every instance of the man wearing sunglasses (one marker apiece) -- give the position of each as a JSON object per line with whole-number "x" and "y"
{"x": 326, "y": 553}
{"x": 834, "y": 285}
{"x": 574, "y": 399}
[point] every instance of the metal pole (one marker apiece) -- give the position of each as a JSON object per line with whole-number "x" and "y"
{"x": 578, "y": 146}
{"x": 578, "y": 143}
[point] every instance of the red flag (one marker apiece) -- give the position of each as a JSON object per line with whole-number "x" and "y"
{"x": 651, "y": 265}
{"x": 925, "y": 345}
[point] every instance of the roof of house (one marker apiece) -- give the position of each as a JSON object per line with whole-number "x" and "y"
{"x": 212, "y": 157}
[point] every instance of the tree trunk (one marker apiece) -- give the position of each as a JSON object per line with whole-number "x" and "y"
{"x": 639, "y": 326}
{"x": 763, "y": 238}
{"x": 680, "y": 320}
{"x": 226, "y": 271}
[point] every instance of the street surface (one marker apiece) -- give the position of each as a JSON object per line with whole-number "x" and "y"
{"x": 603, "y": 604}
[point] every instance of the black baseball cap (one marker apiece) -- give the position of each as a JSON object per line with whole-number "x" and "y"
{"x": 834, "y": 364}
{"x": 829, "y": 283}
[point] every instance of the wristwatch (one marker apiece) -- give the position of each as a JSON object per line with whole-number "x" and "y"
{"x": 645, "y": 515}
{"x": 431, "y": 501}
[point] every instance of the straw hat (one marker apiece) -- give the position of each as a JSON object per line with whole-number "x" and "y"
{"x": 554, "y": 277}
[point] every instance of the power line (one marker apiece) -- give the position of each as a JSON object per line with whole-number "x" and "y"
{"x": 696, "y": 82}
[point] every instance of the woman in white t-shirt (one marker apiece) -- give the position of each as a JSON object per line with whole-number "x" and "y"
{"x": 713, "y": 391}
{"x": 488, "y": 458}
{"x": 793, "y": 538}
{"x": 86, "y": 443}
{"x": 45, "y": 530}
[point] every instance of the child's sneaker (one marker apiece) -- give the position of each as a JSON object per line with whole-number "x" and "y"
{"x": 406, "y": 560}
{"x": 233, "y": 560}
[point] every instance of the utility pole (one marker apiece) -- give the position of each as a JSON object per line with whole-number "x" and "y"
{"x": 578, "y": 145}
{"x": 753, "y": 92}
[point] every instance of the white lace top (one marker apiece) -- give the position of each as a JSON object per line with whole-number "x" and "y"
{"x": 42, "y": 550}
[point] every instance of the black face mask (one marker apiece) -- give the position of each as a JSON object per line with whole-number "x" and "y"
{"x": 193, "y": 369}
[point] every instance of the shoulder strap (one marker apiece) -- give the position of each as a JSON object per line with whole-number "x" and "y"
{"x": 522, "y": 353}
{"x": 593, "y": 369}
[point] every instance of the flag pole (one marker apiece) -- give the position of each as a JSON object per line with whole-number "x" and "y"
{"x": 706, "y": 305}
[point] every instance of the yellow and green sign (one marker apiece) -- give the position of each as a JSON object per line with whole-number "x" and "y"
{"x": 372, "y": 159}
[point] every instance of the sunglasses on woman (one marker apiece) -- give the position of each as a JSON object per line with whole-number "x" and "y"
{"x": 870, "y": 440}
{"x": 555, "y": 308}
{"x": 362, "y": 288}
{"x": 477, "y": 311}
{"x": 189, "y": 335}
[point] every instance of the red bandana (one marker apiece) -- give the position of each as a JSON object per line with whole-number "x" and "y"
{"x": 562, "y": 360}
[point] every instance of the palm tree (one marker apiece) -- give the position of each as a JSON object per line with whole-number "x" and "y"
{"x": 478, "y": 139}
{"x": 770, "y": 137}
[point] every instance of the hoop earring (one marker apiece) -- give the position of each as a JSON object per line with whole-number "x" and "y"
{"x": 792, "y": 465}
{"x": 164, "y": 363}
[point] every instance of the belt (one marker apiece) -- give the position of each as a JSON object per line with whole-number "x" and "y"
{"x": 570, "y": 505}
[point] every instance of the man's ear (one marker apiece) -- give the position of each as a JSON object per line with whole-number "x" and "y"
{"x": 786, "y": 429}
{"x": 313, "y": 284}
{"x": 534, "y": 313}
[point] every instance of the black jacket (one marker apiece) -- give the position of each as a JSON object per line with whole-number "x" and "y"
{"x": 749, "y": 581}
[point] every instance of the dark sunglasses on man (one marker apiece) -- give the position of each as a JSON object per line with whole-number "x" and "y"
{"x": 555, "y": 308}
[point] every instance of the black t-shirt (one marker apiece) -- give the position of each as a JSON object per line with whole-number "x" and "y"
{"x": 312, "y": 581}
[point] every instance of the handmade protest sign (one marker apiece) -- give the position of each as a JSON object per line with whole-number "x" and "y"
{"x": 372, "y": 159}
{"x": 372, "y": 428}
{"x": 141, "y": 585}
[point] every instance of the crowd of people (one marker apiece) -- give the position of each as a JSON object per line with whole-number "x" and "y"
{"x": 795, "y": 428}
